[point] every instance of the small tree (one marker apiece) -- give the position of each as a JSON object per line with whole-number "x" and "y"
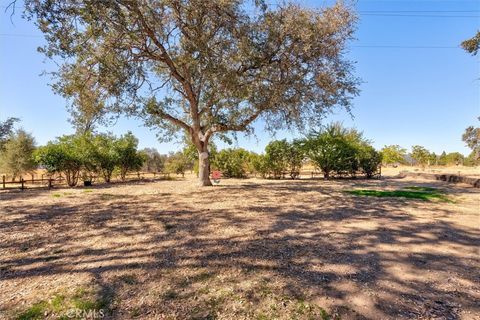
{"x": 471, "y": 160}
{"x": 472, "y": 45}
{"x": 420, "y": 155}
{"x": 259, "y": 164}
{"x": 177, "y": 163}
{"x": 393, "y": 154}
{"x": 276, "y": 157}
{"x": 154, "y": 161}
{"x": 16, "y": 158}
{"x": 295, "y": 155}
{"x": 6, "y": 130}
{"x": 105, "y": 156}
{"x": 62, "y": 156}
{"x": 128, "y": 158}
{"x": 454, "y": 158}
{"x": 472, "y": 138}
{"x": 331, "y": 149}
{"x": 369, "y": 160}
{"x": 442, "y": 159}
{"x": 232, "y": 162}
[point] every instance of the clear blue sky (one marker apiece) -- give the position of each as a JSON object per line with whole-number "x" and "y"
{"x": 410, "y": 95}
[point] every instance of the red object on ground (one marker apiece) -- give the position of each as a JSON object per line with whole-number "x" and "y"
{"x": 216, "y": 175}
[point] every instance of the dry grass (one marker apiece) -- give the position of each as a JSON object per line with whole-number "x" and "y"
{"x": 247, "y": 249}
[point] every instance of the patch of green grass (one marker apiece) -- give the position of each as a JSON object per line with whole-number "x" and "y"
{"x": 36, "y": 311}
{"x": 61, "y": 305}
{"x": 87, "y": 190}
{"x": 88, "y": 300}
{"x": 56, "y": 195}
{"x": 417, "y": 188}
{"x": 408, "y": 194}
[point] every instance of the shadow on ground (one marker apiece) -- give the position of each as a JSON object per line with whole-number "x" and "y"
{"x": 244, "y": 246}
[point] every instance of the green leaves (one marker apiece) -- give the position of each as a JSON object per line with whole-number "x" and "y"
{"x": 16, "y": 154}
{"x": 342, "y": 151}
{"x": 206, "y": 67}
{"x": 91, "y": 155}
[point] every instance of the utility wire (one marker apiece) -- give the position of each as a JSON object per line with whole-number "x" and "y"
{"x": 352, "y": 46}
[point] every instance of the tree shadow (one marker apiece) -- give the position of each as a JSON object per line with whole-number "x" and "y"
{"x": 367, "y": 258}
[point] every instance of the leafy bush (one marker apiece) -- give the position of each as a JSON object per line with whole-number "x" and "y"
{"x": 62, "y": 156}
{"x": 369, "y": 160}
{"x": 128, "y": 159}
{"x": 177, "y": 163}
{"x": 283, "y": 157}
{"x": 276, "y": 157}
{"x": 154, "y": 161}
{"x": 341, "y": 151}
{"x": 233, "y": 163}
{"x": 89, "y": 154}
{"x": 16, "y": 154}
{"x": 393, "y": 154}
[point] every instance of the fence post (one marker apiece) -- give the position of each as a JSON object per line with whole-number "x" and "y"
{"x": 22, "y": 181}
{"x": 3, "y": 181}
{"x": 49, "y": 183}
{"x": 33, "y": 180}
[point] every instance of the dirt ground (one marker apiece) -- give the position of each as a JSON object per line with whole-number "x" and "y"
{"x": 246, "y": 249}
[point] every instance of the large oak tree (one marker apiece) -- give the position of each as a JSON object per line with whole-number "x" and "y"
{"x": 203, "y": 67}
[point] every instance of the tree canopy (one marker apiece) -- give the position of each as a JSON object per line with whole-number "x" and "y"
{"x": 199, "y": 67}
{"x": 472, "y": 45}
{"x": 6, "y": 129}
{"x": 16, "y": 157}
{"x": 471, "y": 137}
{"x": 393, "y": 154}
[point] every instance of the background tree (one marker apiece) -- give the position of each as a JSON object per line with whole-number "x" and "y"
{"x": 393, "y": 154}
{"x": 232, "y": 163}
{"x": 259, "y": 164}
{"x": 295, "y": 155}
{"x": 16, "y": 157}
{"x": 471, "y": 160}
{"x": 177, "y": 163}
{"x": 420, "y": 155}
{"x": 442, "y": 159}
{"x": 433, "y": 159}
{"x": 472, "y": 45}
{"x": 62, "y": 156}
{"x": 330, "y": 150}
{"x": 472, "y": 138}
{"x": 454, "y": 159}
{"x": 369, "y": 160}
{"x": 105, "y": 156}
{"x": 154, "y": 161}
{"x": 128, "y": 158}
{"x": 6, "y": 129}
{"x": 276, "y": 157}
{"x": 199, "y": 66}
{"x": 335, "y": 149}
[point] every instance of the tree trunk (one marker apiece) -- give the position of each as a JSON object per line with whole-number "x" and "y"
{"x": 204, "y": 168}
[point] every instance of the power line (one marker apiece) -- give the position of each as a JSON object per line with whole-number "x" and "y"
{"x": 418, "y": 11}
{"x": 20, "y": 35}
{"x": 353, "y": 46}
{"x": 404, "y": 47}
{"x": 417, "y": 15}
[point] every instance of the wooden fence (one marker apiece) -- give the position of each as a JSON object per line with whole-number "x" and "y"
{"x": 48, "y": 181}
